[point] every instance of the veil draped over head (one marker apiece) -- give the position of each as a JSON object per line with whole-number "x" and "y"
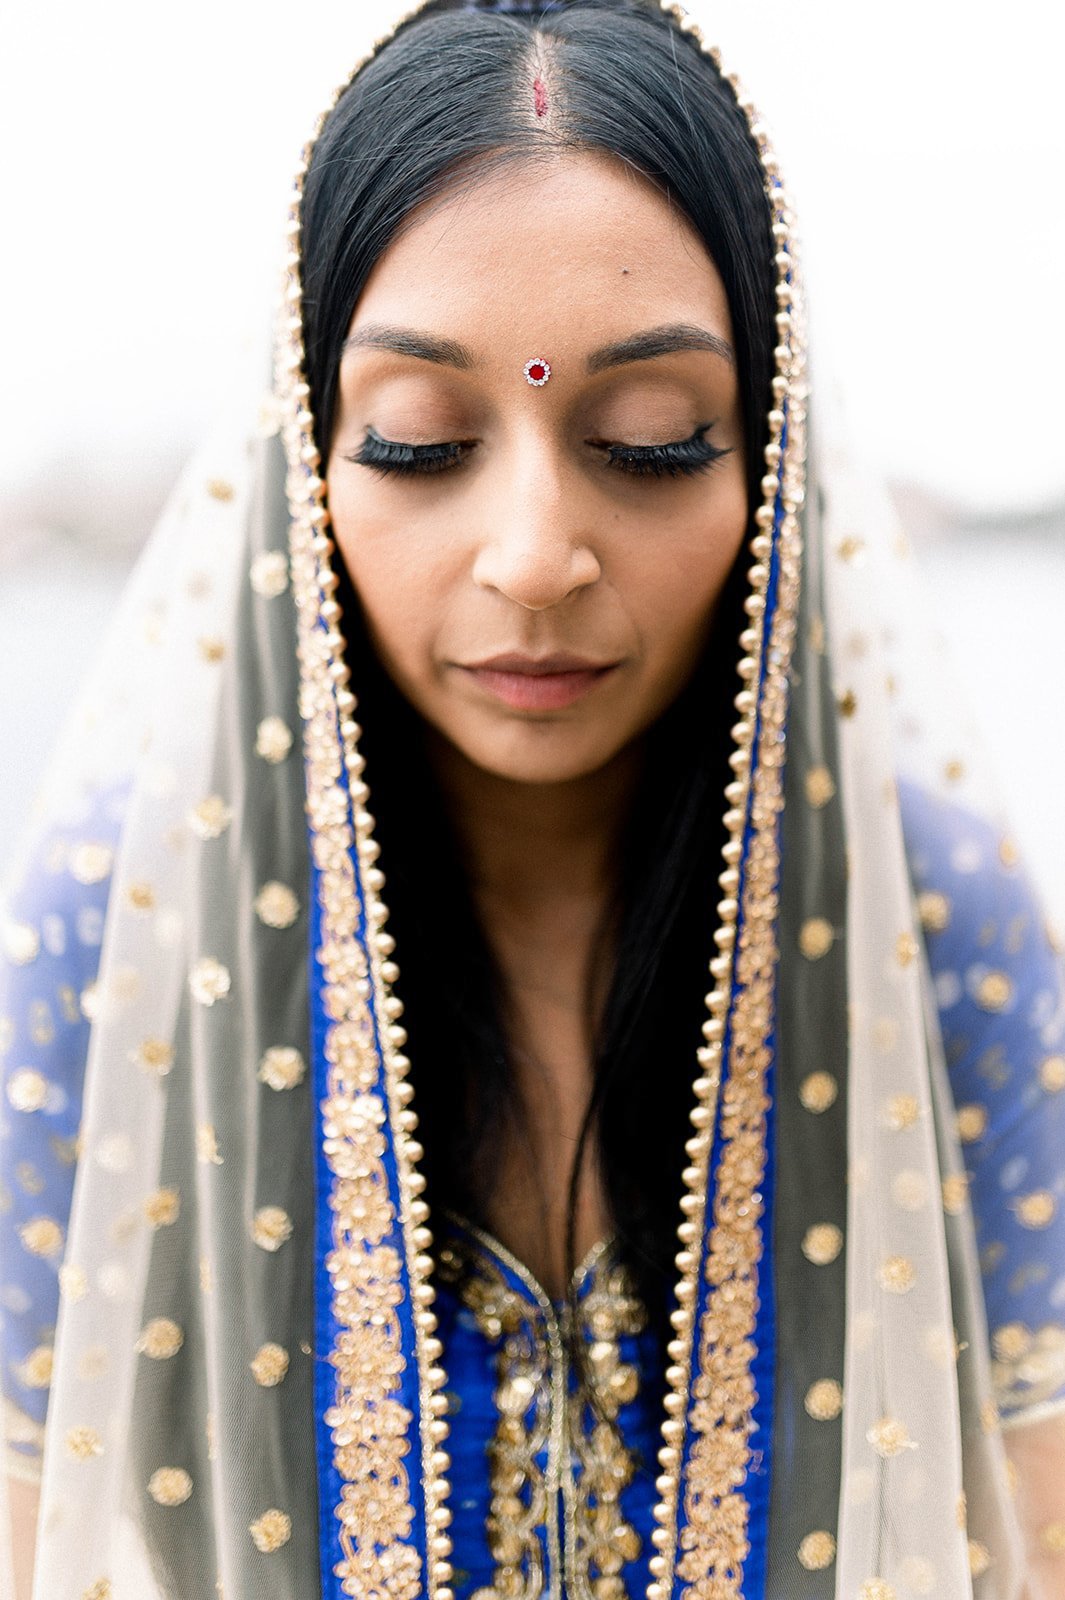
{"x": 219, "y": 1184}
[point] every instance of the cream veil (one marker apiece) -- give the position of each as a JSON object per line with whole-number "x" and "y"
{"x": 188, "y": 1371}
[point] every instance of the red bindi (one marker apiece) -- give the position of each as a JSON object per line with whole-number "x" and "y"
{"x": 540, "y": 97}
{"x": 537, "y": 371}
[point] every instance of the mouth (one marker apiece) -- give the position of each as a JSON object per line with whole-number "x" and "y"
{"x": 538, "y": 683}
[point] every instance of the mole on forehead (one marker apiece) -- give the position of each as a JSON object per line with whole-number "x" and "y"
{"x": 540, "y": 97}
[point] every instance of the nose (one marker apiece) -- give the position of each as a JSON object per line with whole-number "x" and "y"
{"x": 536, "y": 550}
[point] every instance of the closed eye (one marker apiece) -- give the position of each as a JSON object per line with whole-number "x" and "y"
{"x": 678, "y": 459}
{"x": 681, "y": 458}
{"x": 391, "y": 455}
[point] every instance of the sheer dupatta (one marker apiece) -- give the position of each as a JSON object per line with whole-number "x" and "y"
{"x": 246, "y": 1386}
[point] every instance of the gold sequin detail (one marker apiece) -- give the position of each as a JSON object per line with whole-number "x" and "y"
{"x": 1012, "y": 1341}
{"x": 901, "y": 1112}
{"x": 818, "y": 1091}
{"x": 210, "y": 819}
{"x": 817, "y": 1551}
{"x": 154, "y": 1055}
{"x": 21, "y": 943}
{"x": 972, "y": 1123}
{"x": 824, "y": 1400}
{"x": 816, "y": 938}
{"x": 209, "y": 981}
{"x": 273, "y": 740}
{"x": 271, "y": 1227}
{"x": 207, "y": 1145}
{"x": 906, "y": 949}
{"x": 170, "y": 1486}
{"x": 889, "y": 1437}
{"x": 994, "y": 991}
{"x": 220, "y": 489}
{"x": 73, "y": 1282}
{"x": 1008, "y": 853}
{"x": 160, "y": 1339}
{"x": 276, "y": 905}
{"x": 1035, "y": 1210}
{"x": 269, "y": 1365}
{"x": 27, "y": 1089}
{"x": 269, "y": 574}
{"x": 91, "y": 863}
{"x": 83, "y": 1444}
{"x": 822, "y": 1243}
{"x": 876, "y": 1589}
{"x": 820, "y": 788}
{"x": 897, "y": 1275}
{"x": 282, "y": 1067}
{"x": 979, "y": 1558}
{"x": 212, "y": 650}
{"x": 162, "y": 1209}
{"x": 273, "y": 1529}
{"x": 36, "y": 1371}
{"x": 934, "y": 911}
{"x": 1052, "y": 1538}
{"x": 847, "y": 703}
{"x": 42, "y": 1236}
{"x": 100, "y": 1590}
{"x": 1052, "y": 1074}
{"x": 955, "y": 1194}
{"x": 140, "y": 896}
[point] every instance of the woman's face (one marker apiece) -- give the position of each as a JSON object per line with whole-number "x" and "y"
{"x": 539, "y": 565}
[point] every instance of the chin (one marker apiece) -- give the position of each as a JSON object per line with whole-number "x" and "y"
{"x": 539, "y": 753}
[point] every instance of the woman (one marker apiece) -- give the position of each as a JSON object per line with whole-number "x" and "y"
{"x": 542, "y": 388}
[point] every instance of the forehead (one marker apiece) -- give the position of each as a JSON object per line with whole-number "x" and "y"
{"x": 574, "y": 248}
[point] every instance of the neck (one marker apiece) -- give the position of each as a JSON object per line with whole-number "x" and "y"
{"x": 528, "y": 845}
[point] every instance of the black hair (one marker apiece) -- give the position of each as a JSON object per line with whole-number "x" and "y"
{"x": 441, "y": 103}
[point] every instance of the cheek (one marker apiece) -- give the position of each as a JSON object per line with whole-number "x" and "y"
{"x": 680, "y": 580}
{"x": 403, "y": 575}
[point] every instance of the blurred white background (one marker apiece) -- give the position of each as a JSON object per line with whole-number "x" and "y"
{"x": 147, "y": 159}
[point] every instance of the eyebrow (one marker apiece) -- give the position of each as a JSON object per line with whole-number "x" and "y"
{"x": 666, "y": 341}
{"x": 672, "y": 339}
{"x": 405, "y": 342}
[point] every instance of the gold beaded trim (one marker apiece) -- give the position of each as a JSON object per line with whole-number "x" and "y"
{"x": 368, "y": 1421}
{"x": 715, "y": 1543}
{"x": 710, "y": 1388}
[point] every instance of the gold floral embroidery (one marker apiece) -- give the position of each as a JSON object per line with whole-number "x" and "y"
{"x": 270, "y": 1531}
{"x": 27, "y": 1089}
{"x": 545, "y": 1412}
{"x": 604, "y": 1540}
{"x": 209, "y": 981}
{"x": 282, "y": 1067}
{"x": 170, "y": 1486}
{"x": 270, "y": 1365}
{"x": 713, "y": 1544}
{"x": 524, "y": 1334}
{"x": 160, "y": 1339}
{"x": 210, "y": 819}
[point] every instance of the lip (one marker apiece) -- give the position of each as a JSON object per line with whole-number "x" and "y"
{"x": 538, "y": 683}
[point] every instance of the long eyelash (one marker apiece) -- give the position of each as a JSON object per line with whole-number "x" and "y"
{"x": 388, "y": 455}
{"x": 677, "y": 460}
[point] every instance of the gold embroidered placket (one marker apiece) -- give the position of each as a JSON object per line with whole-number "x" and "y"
{"x": 539, "y": 1412}
{"x": 710, "y": 1388}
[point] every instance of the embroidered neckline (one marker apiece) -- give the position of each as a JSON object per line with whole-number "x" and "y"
{"x": 500, "y": 1256}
